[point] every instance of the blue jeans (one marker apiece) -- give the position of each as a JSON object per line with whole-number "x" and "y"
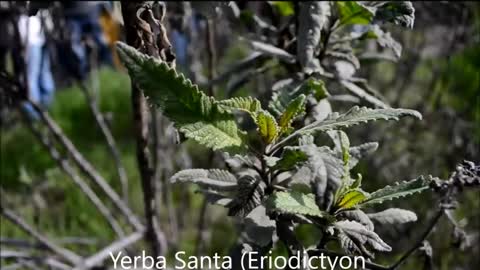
{"x": 41, "y": 86}
{"x": 180, "y": 45}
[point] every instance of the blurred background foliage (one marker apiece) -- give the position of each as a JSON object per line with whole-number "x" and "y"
{"x": 438, "y": 74}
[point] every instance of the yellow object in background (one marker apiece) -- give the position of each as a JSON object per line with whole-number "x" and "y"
{"x": 111, "y": 31}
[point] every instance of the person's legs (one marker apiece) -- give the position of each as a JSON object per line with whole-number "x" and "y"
{"x": 34, "y": 62}
{"x": 180, "y": 45}
{"x": 47, "y": 84}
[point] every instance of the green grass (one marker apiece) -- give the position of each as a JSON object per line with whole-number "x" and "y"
{"x": 67, "y": 211}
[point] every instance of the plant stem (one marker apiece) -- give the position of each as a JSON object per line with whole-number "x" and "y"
{"x": 107, "y": 134}
{"x": 70, "y": 171}
{"x": 143, "y": 36}
{"x": 420, "y": 240}
{"x": 85, "y": 166}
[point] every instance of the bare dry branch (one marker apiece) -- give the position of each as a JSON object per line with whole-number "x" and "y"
{"x": 70, "y": 171}
{"x": 150, "y": 37}
{"x": 23, "y": 257}
{"x": 112, "y": 146}
{"x": 86, "y": 167}
{"x": 22, "y": 224}
{"x": 112, "y": 248}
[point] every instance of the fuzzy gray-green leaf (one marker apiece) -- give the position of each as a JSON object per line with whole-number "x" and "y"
{"x": 357, "y": 115}
{"x": 398, "y": 190}
{"x": 290, "y": 89}
{"x": 250, "y": 193}
{"x": 294, "y": 203}
{"x": 360, "y": 234}
{"x": 267, "y": 126}
{"x": 393, "y": 216}
{"x": 313, "y": 17}
{"x": 195, "y": 114}
{"x": 213, "y": 179}
{"x": 248, "y": 104}
{"x": 296, "y": 107}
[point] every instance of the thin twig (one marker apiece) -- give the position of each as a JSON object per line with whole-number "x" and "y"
{"x": 22, "y": 243}
{"x": 420, "y": 240}
{"x": 85, "y": 166}
{"x": 22, "y": 224}
{"x": 107, "y": 134}
{"x": 67, "y": 168}
{"x": 112, "y": 248}
{"x": 94, "y": 107}
{"x": 14, "y": 89}
{"x": 21, "y": 257}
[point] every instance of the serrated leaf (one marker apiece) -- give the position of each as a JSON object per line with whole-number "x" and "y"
{"x": 296, "y": 107}
{"x": 313, "y": 17}
{"x": 350, "y": 199}
{"x": 247, "y": 104}
{"x": 393, "y": 216}
{"x": 357, "y": 115}
{"x": 289, "y": 90}
{"x": 360, "y": 234}
{"x": 213, "y": 179}
{"x": 399, "y": 190}
{"x": 267, "y": 126}
{"x": 352, "y": 13}
{"x": 195, "y": 114}
{"x": 310, "y": 163}
{"x": 250, "y": 193}
{"x": 294, "y": 203}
